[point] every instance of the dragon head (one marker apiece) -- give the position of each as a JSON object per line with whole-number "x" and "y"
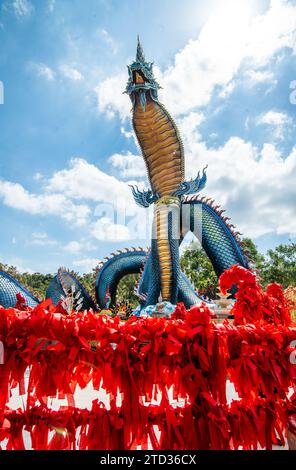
{"x": 141, "y": 79}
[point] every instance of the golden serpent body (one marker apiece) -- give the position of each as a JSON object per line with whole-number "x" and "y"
{"x": 162, "y": 150}
{"x": 166, "y": 227}
{"x": 161, "y": 146}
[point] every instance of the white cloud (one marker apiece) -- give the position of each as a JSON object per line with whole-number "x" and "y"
{"x": 41, "y": 239}
{"x": 189, "y": 242}
{"x": 118, "y": 216}
{"x": 83, "y": 180}
{"x": 233, "y": 36}
{"x": 22, "y": 8}
{"x": 71, "y": 193}
{"x": 271, "y": 32}
{"x": 260, "y": 76}
{"x": 189, "y": 125}
{"x": 43, "y": 70}
{"x": 107, "y": 38}
{"x": 14, "y": 195}
{"x": 228, "y": 89}
{"x": 73, "y": 247}
{"x": 230, "y": 37}
{"x": 127, "y": 134}
{"x": 111, "y": 98}
{"x": 86, "y": 265}
{"x": 256, "y": 186}
{"x": 129, "y": 165}
{"x": 40, "y": 235}
{"x": 105, "y": 229}
{"x": 71, "y": 73}
{"x": 51, "y": 5}
{"x": 38, "y": 176}
{"x": 279, "y": 122}
{"x": 247, "y": 123}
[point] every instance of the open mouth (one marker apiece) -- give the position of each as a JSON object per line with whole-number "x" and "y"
{"x": 138, "y": 77}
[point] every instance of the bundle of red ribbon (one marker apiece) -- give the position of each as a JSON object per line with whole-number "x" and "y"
{"x": 244, "y": 424}
{"x": 181, "y": 363}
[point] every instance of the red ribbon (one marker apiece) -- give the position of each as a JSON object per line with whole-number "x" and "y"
{"x": 187, "y": 357}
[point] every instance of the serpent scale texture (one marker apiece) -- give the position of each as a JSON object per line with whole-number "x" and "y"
{"x": 9, "y": 287}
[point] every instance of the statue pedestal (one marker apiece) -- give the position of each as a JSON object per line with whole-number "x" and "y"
{"x": 160, "y": 310}
{"x": 224, "y": 306}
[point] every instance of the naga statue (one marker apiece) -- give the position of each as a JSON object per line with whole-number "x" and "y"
{"x": 178, "y": 209}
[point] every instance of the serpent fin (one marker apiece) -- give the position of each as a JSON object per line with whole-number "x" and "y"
{"x": 143, "y": 198}
{"x": 61, "y": 285}
{"x": 192, "y": 186}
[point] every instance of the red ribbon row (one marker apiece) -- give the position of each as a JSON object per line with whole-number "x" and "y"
{"x": 140, "y": 358}
{"x": 204, "y": 426}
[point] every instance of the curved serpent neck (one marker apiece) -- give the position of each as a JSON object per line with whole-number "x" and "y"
{"x": 161, "y": 146}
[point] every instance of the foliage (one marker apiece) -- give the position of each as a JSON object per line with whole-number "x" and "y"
{"x": 256, "y": 258}
{"x": 278, "y": 265}
{"x": 88, "y": 280}
{"x": 198, "y": 268}
{"x": 36, "y": 282}
{"x": 125, "y": 290}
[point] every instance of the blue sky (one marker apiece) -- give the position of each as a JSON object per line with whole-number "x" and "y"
{"x": 67, "y": 153}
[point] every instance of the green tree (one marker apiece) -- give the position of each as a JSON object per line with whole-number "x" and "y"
{"x": 88, "y": 280}
{"x": 12, "y": 270}
{"x": 125, "y": 290}
{"x": 280, "y": 265}
{"x": 35, "y": 282}
{"x": 257, "y": 260}
{"x": 199, "y": 270}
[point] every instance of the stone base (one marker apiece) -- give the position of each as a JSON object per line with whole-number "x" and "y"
{"x": 162, "y": 309}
